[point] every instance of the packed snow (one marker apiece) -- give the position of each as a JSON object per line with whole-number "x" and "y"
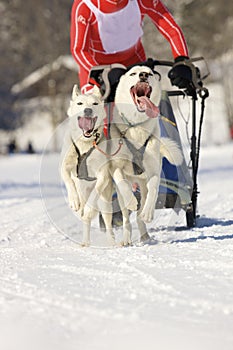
{"x": 175, "y": 292}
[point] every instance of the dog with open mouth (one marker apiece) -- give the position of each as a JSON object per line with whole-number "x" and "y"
{"x": 141, "y": 93}
{"x": 136, "y": 121}
{"x": 84, "y": 169}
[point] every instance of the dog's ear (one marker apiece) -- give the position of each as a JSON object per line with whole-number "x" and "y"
{"x": 75, "y": 92}
{"x": 96, "y": 91}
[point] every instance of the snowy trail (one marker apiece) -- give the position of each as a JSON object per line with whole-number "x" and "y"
{"x": 175, "y": 293}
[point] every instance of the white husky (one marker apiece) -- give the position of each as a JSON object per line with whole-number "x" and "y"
{"x": 87, "y": 164}
{"x": 84, "y": 169}
{"x": 136, "y": 122}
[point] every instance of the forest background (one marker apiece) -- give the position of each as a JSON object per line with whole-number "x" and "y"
{"x": 35, "y": 34}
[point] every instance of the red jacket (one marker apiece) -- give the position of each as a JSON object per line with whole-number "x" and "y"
{"x": 87, "y": 47}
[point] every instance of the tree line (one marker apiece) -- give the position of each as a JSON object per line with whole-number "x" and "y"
{"x": 34, "y": 33}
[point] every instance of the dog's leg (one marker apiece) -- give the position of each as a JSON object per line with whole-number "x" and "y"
{"x": 147, "y": 213}
{"x": 127, "y": 228}
{"x": 105, "y": 206}
{"x": 69, "y": 162}
{"x": 91, "y": 205}
{"x": 142, "y": 230}
{"x": 140, "y": 223}
{"x": 107, "y": 217}
{"x": 86, "y": 234}
{"x": 152, "y": 163}
{"x": 125, "y": 189}
{"x": 100, "y": 191}
{"x": 86, "y": 219}
{"x": 83, "y": 192}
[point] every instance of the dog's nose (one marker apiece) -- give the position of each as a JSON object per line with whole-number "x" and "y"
{"x": 143, "y": 76}
{"x": 88, "y": 111}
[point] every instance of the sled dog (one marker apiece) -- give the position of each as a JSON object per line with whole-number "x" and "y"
{"x": 84, "y": 169}
{"x": 136, "y": 122}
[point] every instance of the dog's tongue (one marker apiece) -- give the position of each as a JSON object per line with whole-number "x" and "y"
{"x": 87, "y": 124}
{"x": 151, "y": 110}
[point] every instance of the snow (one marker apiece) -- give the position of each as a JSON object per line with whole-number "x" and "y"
{"x": 174, "y": 293}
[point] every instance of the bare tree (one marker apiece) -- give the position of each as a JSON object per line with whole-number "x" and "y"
{"x": 227, "y": 79}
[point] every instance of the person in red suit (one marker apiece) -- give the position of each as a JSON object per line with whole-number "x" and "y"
{"x": 110, "y": 31}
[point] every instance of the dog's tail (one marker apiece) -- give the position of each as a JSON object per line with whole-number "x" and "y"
{"x": 170, "y": 150}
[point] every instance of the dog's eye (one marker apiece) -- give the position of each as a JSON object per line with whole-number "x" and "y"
{"x": 150, "y": 74}
{"x": 79, "y": 103}
{"x": 132, "y": 74}
{"x": 95, "y": 103}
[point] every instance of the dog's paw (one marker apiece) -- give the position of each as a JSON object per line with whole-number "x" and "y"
{"x": 87, "y": 213}
{"x": 145, "y": 238}
{"x": 74, "y": 202}
{"x": 126, "y": 243}
{"x": 147, "y": 215}
{"x": 85, "y": 244}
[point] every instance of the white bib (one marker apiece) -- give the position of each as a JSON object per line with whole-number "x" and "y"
{"x": 118, "y": 30}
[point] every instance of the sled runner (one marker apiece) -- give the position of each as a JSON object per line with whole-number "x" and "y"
{"x": 178, "y": 185}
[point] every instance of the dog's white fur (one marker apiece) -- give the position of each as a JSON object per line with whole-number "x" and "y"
{"x": 87, "y": 197}
{"x": 90, "y": 197}
{"x": 138, "y": 127}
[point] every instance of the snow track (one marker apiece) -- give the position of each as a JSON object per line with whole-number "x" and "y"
{"x": 175, "y": 293}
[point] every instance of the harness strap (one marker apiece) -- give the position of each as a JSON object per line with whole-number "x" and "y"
{"x": 137, "y": 155}
{"x": 82, "y": 171}
{"x": 125, "y": 120}
{"x": 120, "y": 143}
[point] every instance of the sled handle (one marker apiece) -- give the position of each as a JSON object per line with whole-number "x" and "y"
{"x": 189, "y": 61}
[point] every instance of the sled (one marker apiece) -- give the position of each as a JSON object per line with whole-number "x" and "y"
{"x": 173, "y": 192}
